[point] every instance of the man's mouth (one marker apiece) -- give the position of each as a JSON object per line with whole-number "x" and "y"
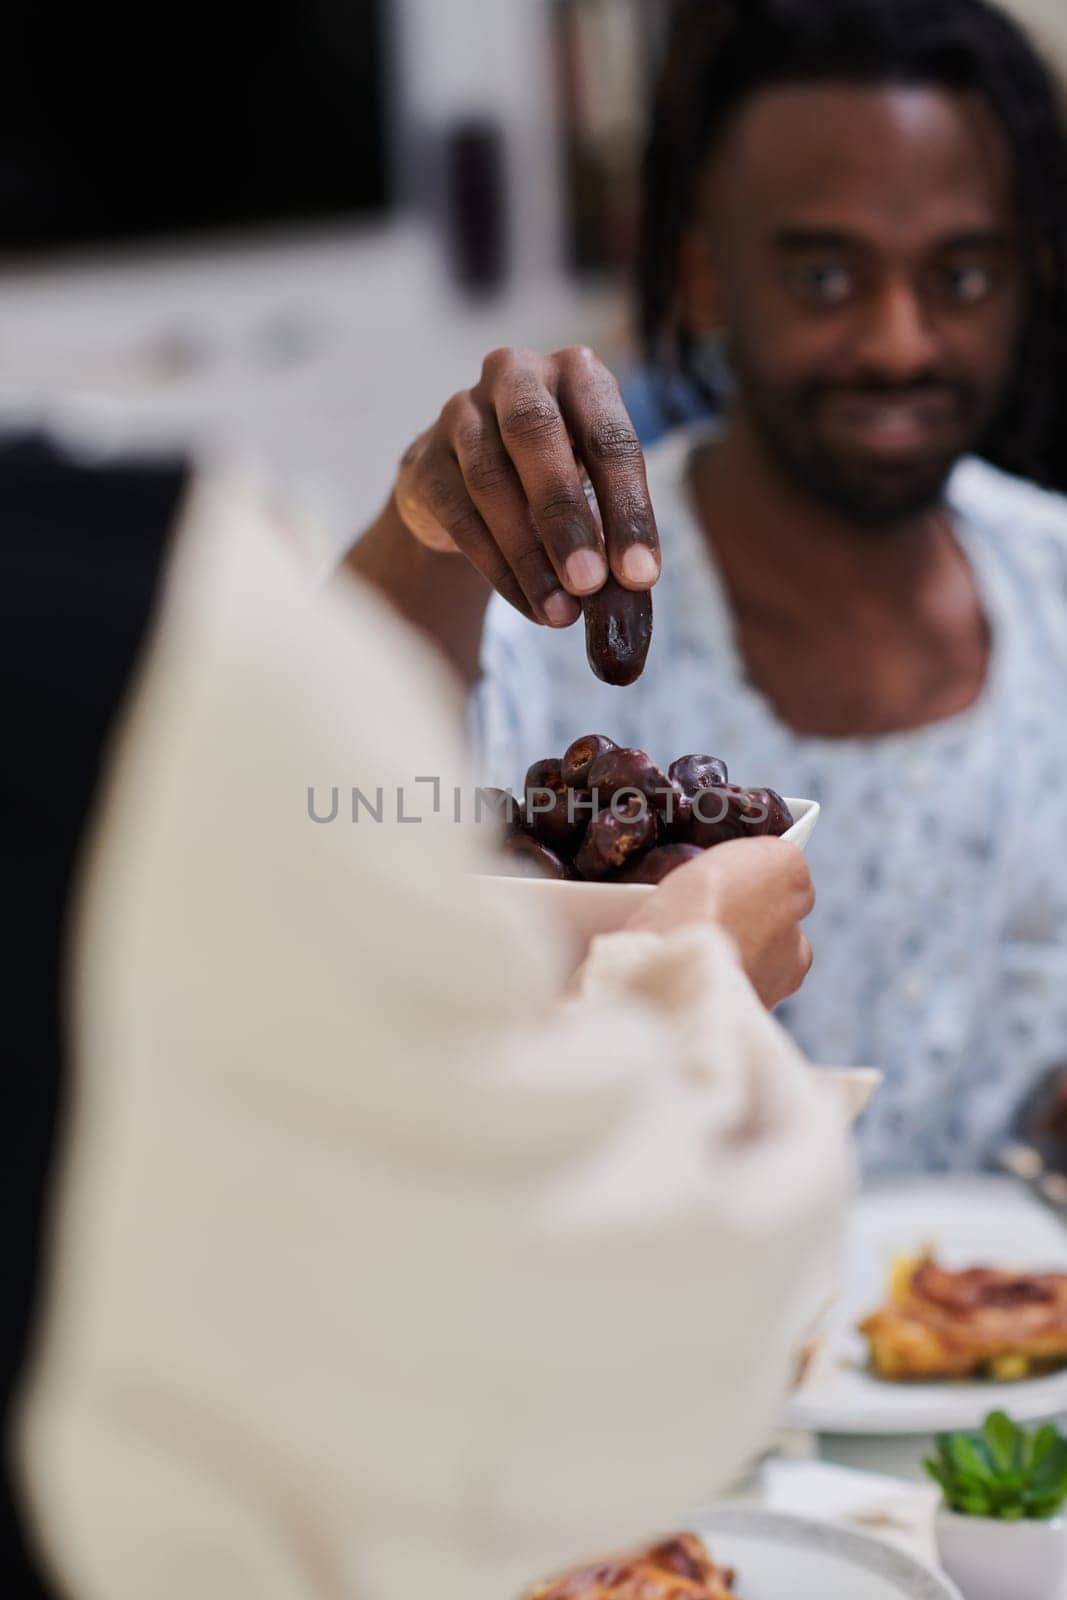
{"x": 892, "y": 426}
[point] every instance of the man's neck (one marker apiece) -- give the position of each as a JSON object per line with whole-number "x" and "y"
{"x": 783, "y": 553}
{"x": 847, "y": 632}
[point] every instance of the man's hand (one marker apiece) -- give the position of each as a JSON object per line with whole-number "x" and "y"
{"x": 758, "y": 891}
{"x": 499, "y": 479}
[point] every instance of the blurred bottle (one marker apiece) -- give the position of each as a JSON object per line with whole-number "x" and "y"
{"x": 476, "y": 192}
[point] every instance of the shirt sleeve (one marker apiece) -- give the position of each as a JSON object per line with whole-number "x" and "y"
{"x": 380, "y": 1269}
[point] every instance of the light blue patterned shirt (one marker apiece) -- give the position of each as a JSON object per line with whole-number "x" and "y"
{"x": 940, "y": 858}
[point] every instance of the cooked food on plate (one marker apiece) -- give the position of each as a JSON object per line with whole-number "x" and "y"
{"x": 678, "y": 1568}
{"x": 981, "y": 1322}
{"x": 607, "y": 814}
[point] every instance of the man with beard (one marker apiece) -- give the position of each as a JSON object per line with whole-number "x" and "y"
{"x": 865, "y": 205}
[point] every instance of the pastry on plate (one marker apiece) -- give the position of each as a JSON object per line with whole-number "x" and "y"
{"x": 982, "y": 1322}
{"x": 678, "y": 1568}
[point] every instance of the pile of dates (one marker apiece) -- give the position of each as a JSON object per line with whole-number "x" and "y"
{"x": 610, "y": 815}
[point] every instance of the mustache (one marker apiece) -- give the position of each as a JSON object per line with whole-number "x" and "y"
{"x": 932, "y": 386}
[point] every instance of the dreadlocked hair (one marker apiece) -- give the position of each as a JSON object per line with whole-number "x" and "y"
{"x": 721, "y": 52}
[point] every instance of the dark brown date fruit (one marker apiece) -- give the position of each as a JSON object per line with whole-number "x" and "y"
{"x": 556, "y": 814}
{"x": 691, "y": 775}
{"x": 618, "y": 632}
{"x": 698, "y": 772}
{"x": 728, "y": 812}
{"x": 619, "y": 769}
{"x": 615, "y": 837}
{"x": 580, "y": 757}
{"x": 527, "y": 857}
{"x": 676, "y": 818}
{"x": 718, "y": 815}
{"x": 541, "y": 774}
{"x": 776, "y": 817}
{"x": 660, "y": 863}
{"x": 497, "y": 806}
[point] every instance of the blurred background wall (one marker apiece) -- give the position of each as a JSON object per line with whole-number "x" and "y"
{"x": 294, "y": 230}
{"x": 1048, "y": 21}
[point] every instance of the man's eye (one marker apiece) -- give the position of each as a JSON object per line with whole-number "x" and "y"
{"x": 968, "y": 286}
{"x": 824, "y": 283}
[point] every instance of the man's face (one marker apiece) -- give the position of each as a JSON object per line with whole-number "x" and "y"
{"x": 859, "y": 245}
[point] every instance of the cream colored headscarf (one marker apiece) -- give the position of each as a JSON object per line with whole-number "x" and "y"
{"x": 378, "y": 1271}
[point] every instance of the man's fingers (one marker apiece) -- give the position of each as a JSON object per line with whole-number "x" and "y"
{"x": 610, "y": 451}
{"x": 495, "y": 490}
{"x": 415, "y": 512}
{"x": 440, "y": 497}
{"x": 535, "y": 436}
{"x": 503, "y": 478}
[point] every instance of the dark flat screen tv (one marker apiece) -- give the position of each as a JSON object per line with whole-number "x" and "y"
{"x": 121, "y": 123}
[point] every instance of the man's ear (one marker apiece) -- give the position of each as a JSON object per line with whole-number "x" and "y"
{"x": 699, "y": 284}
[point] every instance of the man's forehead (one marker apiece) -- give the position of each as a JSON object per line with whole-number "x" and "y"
{"x": 892, "y": 154}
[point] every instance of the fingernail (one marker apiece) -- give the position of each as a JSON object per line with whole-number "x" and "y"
{"x": 585, "y": 571}
{"x": 560, "y": 609}
{"x": 639, "y": 566}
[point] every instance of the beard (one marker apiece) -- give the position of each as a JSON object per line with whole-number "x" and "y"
{"x": 872, "y": 493}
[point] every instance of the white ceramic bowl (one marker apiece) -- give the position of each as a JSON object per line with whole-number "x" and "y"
{"x": 991, "y": 1560}
{"x": 587, "y": 909}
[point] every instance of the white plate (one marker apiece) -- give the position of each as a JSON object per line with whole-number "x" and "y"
{"x": 779, "y": 1557}
{"x": 968, "y": 1221}
{"x": 588, "y": 909}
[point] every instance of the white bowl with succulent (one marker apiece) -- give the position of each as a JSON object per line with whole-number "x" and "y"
{"x": 1001, "y": 1530}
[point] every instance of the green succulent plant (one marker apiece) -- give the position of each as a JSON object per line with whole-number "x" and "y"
{"x": 1004, "y": 1471}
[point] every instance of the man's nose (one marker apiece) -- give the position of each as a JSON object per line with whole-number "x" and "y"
{"x": 898, "y": 342}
